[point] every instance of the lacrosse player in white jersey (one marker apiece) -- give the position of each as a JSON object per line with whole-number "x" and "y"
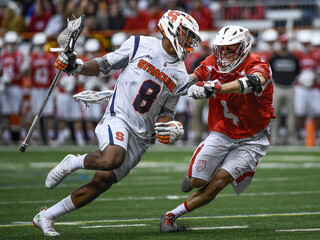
{"x": 143, "y": 105}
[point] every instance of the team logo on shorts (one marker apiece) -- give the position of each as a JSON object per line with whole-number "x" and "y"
{"x": 201, "y": 165}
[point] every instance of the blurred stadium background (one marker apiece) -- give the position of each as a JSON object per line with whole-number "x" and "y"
{"x": 281, "y": 203}
{"x": 108, "y": 24}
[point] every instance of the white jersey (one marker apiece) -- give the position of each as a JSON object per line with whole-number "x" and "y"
{"x": 149, "y": 85}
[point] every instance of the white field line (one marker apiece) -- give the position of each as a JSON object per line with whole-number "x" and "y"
{"x": 299, "y": 230}
{"x": 289, "y": 158}
{"x": 18, "y": 224}
{"x": 223, "y": 227}
{"x": 152, "y": 181}
{"x": 153, "y": 148}
{"x": 171, "y": 197}
{"x": 171, "y": 166}
{"x": 116, "y": 226}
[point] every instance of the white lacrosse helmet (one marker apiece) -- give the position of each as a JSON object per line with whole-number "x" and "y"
{"x": 39, "y": 38}
{"x": 269, "y": 35}
{"x": 11, "y": 37}
{"x": 178, "y": 27}
{"x": 92, "y": 45}
{"x": 231, "y": 35}
{"x": 304, "y": 36}
{"x": 118, "y": 38}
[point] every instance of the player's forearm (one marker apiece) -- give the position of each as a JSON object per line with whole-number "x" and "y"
{"x": 90, "y": 68}
{"x": 234, "y": 86}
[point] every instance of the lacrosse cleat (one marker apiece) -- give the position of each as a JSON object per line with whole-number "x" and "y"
{"x": 167, "y": 223}
{"x": 45, "y": 223}
{"x": 185, "y": 185}
{"x": 60, "y": 172}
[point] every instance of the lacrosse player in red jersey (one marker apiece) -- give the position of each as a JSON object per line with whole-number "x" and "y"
{"x": 42, "y": 72}
{"x": 240, "y": 90}
{"x": 11, "y": 82}
{"x": 152, "y": 79}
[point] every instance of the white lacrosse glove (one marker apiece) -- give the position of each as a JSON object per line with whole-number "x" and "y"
{"x": 204, "y": 89}
{"x": 168, "y": 132}
{"x": 69, "y": 63}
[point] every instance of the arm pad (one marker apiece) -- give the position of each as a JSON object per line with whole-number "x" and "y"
{"x": 250, "y": 83}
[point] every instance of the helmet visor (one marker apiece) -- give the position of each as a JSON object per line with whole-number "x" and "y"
{"x": 187, "y": 40}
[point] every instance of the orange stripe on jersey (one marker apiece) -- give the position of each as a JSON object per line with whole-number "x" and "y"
{"x": 193, "y": 159}
{"x": 152, "y": 70}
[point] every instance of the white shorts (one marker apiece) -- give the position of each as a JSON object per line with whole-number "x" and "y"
{"x": 94, "y": 112}
{"x": 68, "y": 109}
{"x": 37, "y": 97}
{"x": 11, "y": 100}
{"x": 114, "y": 131}
{"x": 239, "y": 157}
{"x": 306, "y": 101}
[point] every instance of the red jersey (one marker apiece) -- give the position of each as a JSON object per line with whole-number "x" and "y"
{"x": 42, "y": 70}
{"x": 11, "y": 67}
{"x": 308, "y": 62}
{"x": 238, "y": 115}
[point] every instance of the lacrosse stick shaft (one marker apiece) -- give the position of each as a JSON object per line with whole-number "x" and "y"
{"x": 37, "y": 117}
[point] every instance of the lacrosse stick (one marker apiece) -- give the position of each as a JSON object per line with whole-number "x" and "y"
{"x": 90, "y": 96}
{"x": 67, "y": 40}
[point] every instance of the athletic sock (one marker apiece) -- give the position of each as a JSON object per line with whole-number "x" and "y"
{"x": 50, "y": 135}
{"x": 61, "y": 208}
{"x": 79, "y": 138}
{"x": 91, "y": 135}
{"x": 180, "y": 210}
{"x": 77, "y": 162}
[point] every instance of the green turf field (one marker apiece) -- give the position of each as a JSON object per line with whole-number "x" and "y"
{"x": 283, "y": 201}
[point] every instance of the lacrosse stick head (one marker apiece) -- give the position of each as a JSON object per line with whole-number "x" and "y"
{"x": 95, "y": 97}
{"x": 67, "y": 39}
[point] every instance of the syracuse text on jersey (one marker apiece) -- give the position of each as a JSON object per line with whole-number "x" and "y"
{"x": 149, "y": 68}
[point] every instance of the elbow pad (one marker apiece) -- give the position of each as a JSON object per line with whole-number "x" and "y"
{"x": 105, "y": 67}
{"x": 250, "y": 83}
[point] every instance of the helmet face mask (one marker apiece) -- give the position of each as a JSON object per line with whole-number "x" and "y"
{"x": 181, "y": 30}
{"x": 231, "y": 47}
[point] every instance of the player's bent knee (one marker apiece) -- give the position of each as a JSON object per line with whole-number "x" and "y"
{"x": 218, "y": 184}
{"x": 197, "y": 182}
{"x": 112, "y": 157}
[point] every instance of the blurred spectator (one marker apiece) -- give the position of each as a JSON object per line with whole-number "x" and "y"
{"x": 13, "y": 19}
{"x": 102, "y": 20}
{"x": 199, "y": 121}
{"x": 266, "y": 48}
{"x": 42, "y": 72}
{"x": 69, "y": 112}
{"x": 116, "y": 18}
{"x": 57, "y": 21}
{"x": 155, "y": 14}
{"x": 306, "y": 91}
{"x": 201, "y": 14}
{"x": 231, "y": 12}
{"x": 89, "y": 9}
{"x": 94, "y": 112}
{"x": 116, "y": 41}
{"x": 135, "y": 19}
{"x": 315, "y": 52}
{"x": 12, "y": 91}
{"x": 40, "y": 17}
{"x": 255, "y": 11}
{"x": 285, "y": 69}
{"x": 173, "y": 5}
{"x": 2, "y": 86}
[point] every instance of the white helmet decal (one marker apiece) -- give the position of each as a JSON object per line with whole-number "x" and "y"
{"x": 231, "y": 35}
{"x": 178, "y": 27}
